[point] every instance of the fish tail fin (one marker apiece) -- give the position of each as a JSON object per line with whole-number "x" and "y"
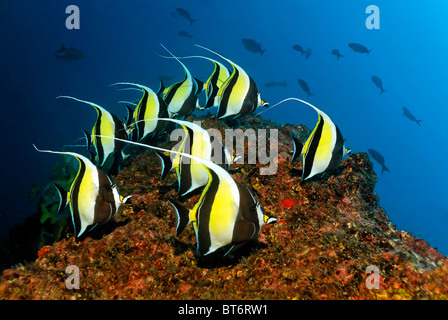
{"x": 368, "y": 51}
{"x": 262, "y": 51}
{"x": 182, "y": 217}
{"x": 418, "y": 121}
{"x": 167, "y": 164}
{"x": 63, "y": 197}
{"x": 310, "y": 94}
{"x": 192, "y": 20}
{"x": 385, "y": 169}
{"x": 383, "y": 90}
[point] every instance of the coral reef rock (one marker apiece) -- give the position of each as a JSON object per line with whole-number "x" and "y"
{"x": 329, "y": 232}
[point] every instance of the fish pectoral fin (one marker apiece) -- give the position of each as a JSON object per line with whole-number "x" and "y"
{"x": 182, "y": 217}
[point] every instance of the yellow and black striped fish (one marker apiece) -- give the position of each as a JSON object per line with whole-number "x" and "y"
{"x": 182, "y": 97}
{"x": 226, "y": 216}
{"x": 239, "y": 95}
{"x": 93, "y": 198}
{"x": 215, "y": 81}
{"x": 109, "y": 154}
{"x": 197, "y": 141}
{"x": 151, "y": 106}
{"x": 324, "y": 148}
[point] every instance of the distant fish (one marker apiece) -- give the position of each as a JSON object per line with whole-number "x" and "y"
{"x": 69, "y": 54}
{"x": 305, "y": 87}
{"x": 307, "y": 53}
{"x": 93, "y": 197}
{"x": 410, "y": 116}
{"x": 239, "y": 95}
{"x": 359, "y": 48}
{"x": 185, "y": 14}
{"x": 253, "y": 46}
{"x": 337, "y": 53}
{"x": 377, "y": 81}
{"x": 299, "y": 49}
{"x": 185, "y": 34}
{"x": 379, "y": 158}
{"x": 276, "y": 84}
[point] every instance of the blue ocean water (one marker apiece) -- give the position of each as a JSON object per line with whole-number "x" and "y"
{"x": 120, "y": 40}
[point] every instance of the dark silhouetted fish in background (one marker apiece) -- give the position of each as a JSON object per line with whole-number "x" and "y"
{"x": 337, "y": 53}
{"x": 359, "y": 48}
{"x": 307, "y": 53}
{"x": 410, "y": 116}
{"x": 377, "y": 81}
{"x": 253, "y": 46}
{"x": 185, "y": 34}
{"x": 379, "y": 158}
{"x": 276, "y": 84}
{"x": 299, "y": 49}
{"x": 69, "y": 54}
{"x": 305, "y": 87}
{"x": 185, "y": 14}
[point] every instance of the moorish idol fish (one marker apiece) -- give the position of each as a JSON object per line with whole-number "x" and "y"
{"x": 93, "y": 198}
{"x": 107, "y": 149}
{"x": 182, "y": 97}
{"x": 226, "y": 216}
{"x": 219, "y": 75}
{"x": 150, "y": 106}
{"x": 197, "y": 141}
{"x": 324, "y": 148}
{"x": 239, "y": 95}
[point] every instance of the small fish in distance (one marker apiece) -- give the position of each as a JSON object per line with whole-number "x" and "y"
{"x": 185, "y": 34}
{"x": 410, "y": 116}
{"x": 69, "y": 54}
{"x": 298, "y": 48}
{"x": 359, "y": 48}
{"x": 305, "y": 87}
{"x": 379, "y": 158}
{"x": 337, "y": 53}
{"x": 185, "y": 14}
{"x": 253, "y": 46}
{"x": 377, "y": 81}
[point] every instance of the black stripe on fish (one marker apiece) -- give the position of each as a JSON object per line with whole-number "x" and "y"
{"x": 312, "y": 148}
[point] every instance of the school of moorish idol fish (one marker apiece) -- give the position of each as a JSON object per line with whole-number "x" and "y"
{"x": 227, "y": 215}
